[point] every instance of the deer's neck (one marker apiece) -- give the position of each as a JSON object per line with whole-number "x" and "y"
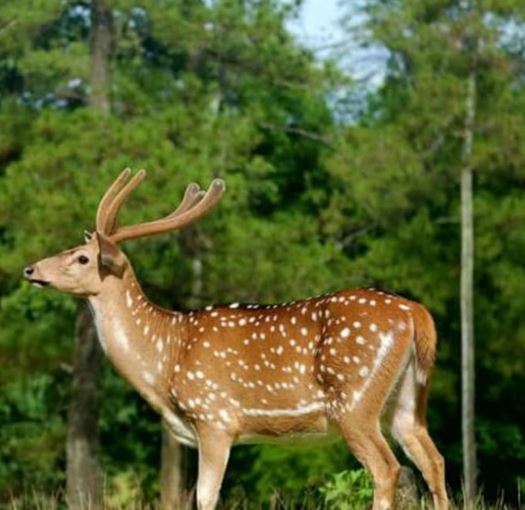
{"x": 141, "y": 339}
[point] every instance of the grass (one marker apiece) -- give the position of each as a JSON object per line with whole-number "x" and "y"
{"x": 310, "y": 501}
{"x": 347, "y": 490}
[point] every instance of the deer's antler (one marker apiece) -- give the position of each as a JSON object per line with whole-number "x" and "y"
{"x": 108, "y": 197}
{"x": 194, "y": 204}
{"x": 112, "y": 212}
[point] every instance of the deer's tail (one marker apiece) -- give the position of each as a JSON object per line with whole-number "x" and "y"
{"x": 425, "y": 340}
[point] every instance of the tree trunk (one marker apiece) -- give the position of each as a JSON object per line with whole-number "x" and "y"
{"x": 467, "y": 301}
{"x": 172, "y": 480}
{"x": 83, "y": 472}
{"x": 101, "y": 49}
{"x": 84, "y": 480}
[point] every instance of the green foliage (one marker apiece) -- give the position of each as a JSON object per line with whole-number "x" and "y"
{"x": 259, "y": 469}
{"x": 32, "y": 433}
{"x": 348, "y": 490}
{"x": 401, "y": 223}
{"x": 205, "y": 89}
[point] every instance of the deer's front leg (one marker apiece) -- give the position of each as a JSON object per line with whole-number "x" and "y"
{"x": 214, "y": 450}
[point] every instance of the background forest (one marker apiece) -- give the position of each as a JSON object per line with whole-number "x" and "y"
{"x": 331, "y": 184}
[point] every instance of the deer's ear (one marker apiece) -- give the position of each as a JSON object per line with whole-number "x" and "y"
{"x": 110, "y": 256}
{"x": 88, "y": 236}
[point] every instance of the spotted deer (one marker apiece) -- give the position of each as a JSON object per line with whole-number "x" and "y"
{"x": 325, "y": 366}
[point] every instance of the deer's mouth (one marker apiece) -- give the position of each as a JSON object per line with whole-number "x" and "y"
{"x": 38, "y": 283}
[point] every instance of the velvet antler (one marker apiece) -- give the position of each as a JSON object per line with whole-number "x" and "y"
{"x": 195, "y": 204}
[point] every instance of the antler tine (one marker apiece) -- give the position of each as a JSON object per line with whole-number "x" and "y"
{"x": 108, "y": 197}
{"x": 196, "y": 199}
{"x": 116, "y": 204}
{"x": 172, "y": 221}
{"x": 190, "y": 196}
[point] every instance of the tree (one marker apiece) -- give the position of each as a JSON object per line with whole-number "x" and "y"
{"x": 228, "y": 94}
{"x": 448, "y": 65}
{"x": 316, "y": 201}
{"x": 84, "y": 478}
{"x": 467, "y": 297}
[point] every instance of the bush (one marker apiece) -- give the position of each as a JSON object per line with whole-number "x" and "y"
{"x": 348, "y": 490}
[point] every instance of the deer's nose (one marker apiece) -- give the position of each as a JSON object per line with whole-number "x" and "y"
{"x": 28, "y": 271}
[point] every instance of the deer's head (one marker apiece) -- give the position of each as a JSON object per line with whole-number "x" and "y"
{"x": 82, "y": 270}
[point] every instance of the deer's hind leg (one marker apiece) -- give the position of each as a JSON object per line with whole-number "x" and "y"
{"x": 358, "y": 382}
{"x": 408, "y": 426}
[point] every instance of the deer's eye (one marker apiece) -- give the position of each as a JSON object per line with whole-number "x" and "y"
{"x": 82, "y": 259}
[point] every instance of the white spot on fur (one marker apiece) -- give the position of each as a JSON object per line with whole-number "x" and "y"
{"x": 148, "y": 377}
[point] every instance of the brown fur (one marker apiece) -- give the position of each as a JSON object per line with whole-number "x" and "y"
{"x": 426, "y": 340}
